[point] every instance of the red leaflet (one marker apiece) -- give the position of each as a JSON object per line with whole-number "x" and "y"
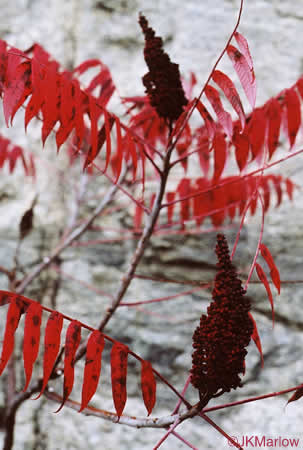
{"x": 243, "y": 45}
{"x": 263, "y": 278}
{"x": 3, "y": 63}
{"x": 148, "y": 385}
{"x": 170, "y": 197}
{"x": 93, "y": 114}
{"x": 51, "y": 99}
{"x": 209, "y": 121}
{"x": 220, "y": 149}
{"x": 92, "y": 368}
{"x": 72, "y": 341}
{"x": 138, "y": 217}
{"x": 36, "y": 100}
{"x": 31, "y": 339}
{"x": 228, "y": 87}
{"x": 296, "y": 396}
{"x": 299, "y": 85}
{"x": 274, "y": 272}
{"x": 293, "y": 108}
{"x": 256, "y": 132}
{"x": 67, "y": 100}
{"x": 119, "y": 153}
{"x": 183, "y": 190}
{"x": 245, "y": 73}
{"x": 86, "y": 65}
{"x": 203, "y": 150}
{"x": 109, "y": 122}
{"x": 5, "y": 297}
{"x": 201, "y": 203}
{"x": 273, "y": 113}
{"x": 12, "y": 320}
{"x": 256, "y": 338}
{"x": 131, "y": 147}
{"x": 51, "y": 346}
{"x": 241, "y": 144}
{"x": 19, "y": 88}
{"x": 289, "y": 188}
{"x": 79, "y": 121}
{"x": 223, "y": 116}
{"x": 277, "y": 180}
{"x": 219, "y": 205}
{"x": 119, "y": 355}
{"x": 12, "y": 90}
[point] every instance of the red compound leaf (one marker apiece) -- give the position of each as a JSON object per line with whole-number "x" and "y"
{"x": 148, "y": 385}
{"x": 92, "y": 368}
{"x": 31, "y": 339}
{"x": 262, "y": 277}
{"x": 119, "y": 356}
{"x": 72, "y": 341}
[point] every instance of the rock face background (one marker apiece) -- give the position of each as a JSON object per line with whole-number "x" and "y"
{"x": 194, "y": 34}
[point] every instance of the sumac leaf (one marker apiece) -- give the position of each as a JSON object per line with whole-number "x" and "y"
{"x": 262, "y": 276}
{"x": 293, "y": 108}
{"x": 224, "y": 117}
{"x": 12, "y": 320}
{"x": 31, "y": 339}
{"x": 72, "y": 341}
{"x": 119, "y": 355}
{"x": 228, "y": 87}
{"x": 52, "y": 339}
{"x": 92, "y": 368}
{"x": 245, "y": 72}
{"x": 273, "y": 113}
{"x": 256, "y": 338}
{"x": 209, "y": 121}
{"x": 274, "y": 272}
{"x": 220, "y": 149}
{"x": 148, "y": 385}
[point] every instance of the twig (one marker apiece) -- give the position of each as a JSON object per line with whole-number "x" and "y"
{"x": 69, "y": 239}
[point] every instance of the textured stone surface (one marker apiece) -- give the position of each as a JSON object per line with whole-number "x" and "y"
{"x": 194, "y": 33}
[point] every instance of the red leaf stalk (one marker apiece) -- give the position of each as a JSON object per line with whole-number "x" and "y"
{"x": 219, "y": 341}
{"x": 162, "y": 82}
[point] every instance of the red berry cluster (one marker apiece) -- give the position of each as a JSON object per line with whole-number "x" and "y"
{"x": 219, "y": 341}
{"x": 162, "y": 82}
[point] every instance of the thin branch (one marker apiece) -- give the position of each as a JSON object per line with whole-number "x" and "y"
{"x": 147, "y": 232}
{"x": 132, "y": 421}
{"x": 171, "y": 429}
{"x": 69, "y": 239}
{"x": 253, "y": 399}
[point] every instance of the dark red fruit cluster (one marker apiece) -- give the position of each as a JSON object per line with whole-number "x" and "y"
{"x": 162, "y": 82}
{"x": 219, "y": 341}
